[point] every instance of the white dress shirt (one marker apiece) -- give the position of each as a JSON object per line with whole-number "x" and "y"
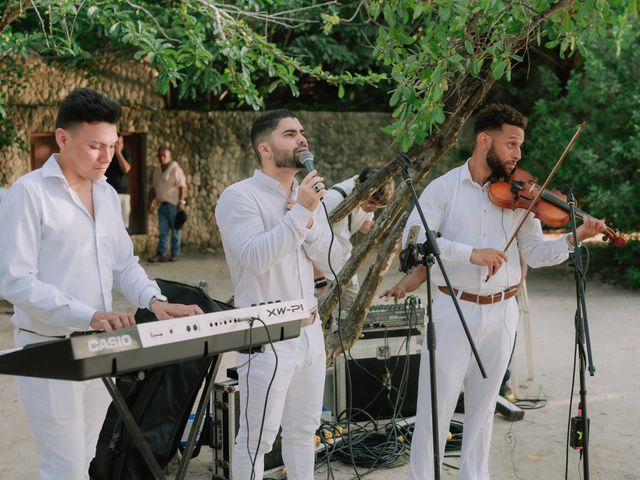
{"x": 341, "y": 230}
{"x": 461, "y": 211}
{"x": 58, "y": 265}
{"x": 268, "y": 248}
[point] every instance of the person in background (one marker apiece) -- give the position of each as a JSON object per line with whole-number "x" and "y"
{"x": 118, "y": 177}
{"x": 359, "y": 220}
{"x": 63, "y": 248}
{"x": 169, "y": 187}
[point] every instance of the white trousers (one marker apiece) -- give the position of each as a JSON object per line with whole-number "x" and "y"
{"x": 65, "y": 418}
{"x": 493, "y": 328}
{"x": 294, "y": 402}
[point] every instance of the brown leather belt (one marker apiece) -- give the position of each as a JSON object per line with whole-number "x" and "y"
{"x": 310, "y": 319}
{"x": 483, "y": 299}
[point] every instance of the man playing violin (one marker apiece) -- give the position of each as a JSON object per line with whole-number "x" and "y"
{"x": 485, "y": 280}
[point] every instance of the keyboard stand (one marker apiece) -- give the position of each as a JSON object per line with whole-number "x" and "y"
{"x": 138, "y": 437}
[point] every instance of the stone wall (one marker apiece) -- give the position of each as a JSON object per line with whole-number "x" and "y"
{"x": 212, "y": 147}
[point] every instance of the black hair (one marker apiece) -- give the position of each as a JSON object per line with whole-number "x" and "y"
{"x": 265, "y": 124}
{"x": 85, "y": 105}
{"x": 494, "y": 115}
{"x": 383, "y": 194}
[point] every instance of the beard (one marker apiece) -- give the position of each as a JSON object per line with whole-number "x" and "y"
{"x": 498, "y": 169}
{"x": 286, "y": 159}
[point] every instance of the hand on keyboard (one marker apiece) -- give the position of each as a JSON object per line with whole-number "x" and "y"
{"x": 109, "y": 321}
{"x": 166, "y": 310}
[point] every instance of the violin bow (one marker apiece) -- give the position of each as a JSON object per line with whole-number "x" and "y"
{"x": 545, "y": 184}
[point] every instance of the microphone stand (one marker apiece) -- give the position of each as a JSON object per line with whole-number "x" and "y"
{"x": 582, "y": 340}
{"x": 430, "y": 252}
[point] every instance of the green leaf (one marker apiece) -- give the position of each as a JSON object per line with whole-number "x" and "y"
{"x": 405, "y": 140}
{"x": 395, "y": 98}
{"x": 468, "y": 47}
{"x": 437, "y": 115}
{"x": 417, "y": 11}
{"x": 476, "y": 66}
{"x": 340, "y": 91}
{"x": 389, "y": 14}
{"x": 497, "y": 69}
{"x": 163, "y": 83}
{"x": 437, "y": 93}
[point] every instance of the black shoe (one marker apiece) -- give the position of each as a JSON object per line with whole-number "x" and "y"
{"x": 505, "y": 392}
{"x": 157, "y": 259}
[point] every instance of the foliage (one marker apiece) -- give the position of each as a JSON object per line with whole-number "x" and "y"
{"x": 239, "y": 52}
{"x": 431, "y": 47}
{"x": 195, "y": 45}
{"x": 243, "y": 51}
{"x": 604, "y": 165}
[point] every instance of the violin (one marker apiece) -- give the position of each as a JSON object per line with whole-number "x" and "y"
{"x": 520, "y": 190}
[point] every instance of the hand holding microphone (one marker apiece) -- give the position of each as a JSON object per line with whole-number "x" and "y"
{"x": 311, "y": 188}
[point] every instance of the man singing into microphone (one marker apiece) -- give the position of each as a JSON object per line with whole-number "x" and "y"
{"x": 271, "y": 242}
{"x": 474, "y": 232}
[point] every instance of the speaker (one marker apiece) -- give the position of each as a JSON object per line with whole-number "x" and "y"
{"x": 379, "y": 377}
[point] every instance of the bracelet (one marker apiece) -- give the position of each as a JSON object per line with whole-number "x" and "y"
{"x": 320, "y": 282}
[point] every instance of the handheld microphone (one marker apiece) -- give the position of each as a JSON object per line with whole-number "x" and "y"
{"x": 306, "y": 159}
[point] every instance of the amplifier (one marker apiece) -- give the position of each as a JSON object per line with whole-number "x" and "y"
{"x": 383, "y": 374}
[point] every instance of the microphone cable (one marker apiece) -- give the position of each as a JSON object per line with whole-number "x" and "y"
{"x": 254, "y": 458}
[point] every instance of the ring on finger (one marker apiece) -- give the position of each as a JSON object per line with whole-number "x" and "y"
{"x": 316, "y": 187}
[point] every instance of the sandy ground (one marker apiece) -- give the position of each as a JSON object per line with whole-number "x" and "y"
{"x": 529, "y": 449}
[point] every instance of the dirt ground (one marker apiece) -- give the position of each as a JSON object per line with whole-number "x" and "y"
{"x": 529, "y": 449}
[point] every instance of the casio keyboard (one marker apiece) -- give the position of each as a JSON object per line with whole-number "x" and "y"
{"x": 153, "y": 344}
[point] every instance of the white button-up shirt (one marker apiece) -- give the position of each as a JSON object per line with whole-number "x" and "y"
{"x": 269, "y": 250}
{"x": 58, "y": 265}
{"x": 461, "y": 211}
{"x": 341, "y": 230}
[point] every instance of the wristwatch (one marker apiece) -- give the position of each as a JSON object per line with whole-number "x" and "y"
{"x": 160, "y": 298}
